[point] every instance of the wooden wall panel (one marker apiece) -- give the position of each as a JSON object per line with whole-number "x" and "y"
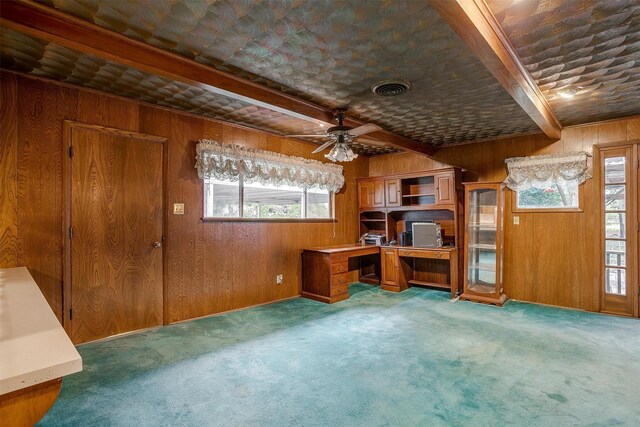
{"x": 8, "y": 164}
{"x": 550, "y": 257}
{"x": 211, "y": 267}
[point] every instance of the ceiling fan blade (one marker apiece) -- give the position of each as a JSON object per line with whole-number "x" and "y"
{"x": 361, "y": 130}
{"x": 306, "y": 136}
{"x": 323, "y": 146}
{"x": 369, "y": 141}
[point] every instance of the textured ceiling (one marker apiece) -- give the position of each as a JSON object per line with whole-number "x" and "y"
{"x": 22, "y": 53}
{"x": 331, "y": 53}
{"x": 590, "y": 44}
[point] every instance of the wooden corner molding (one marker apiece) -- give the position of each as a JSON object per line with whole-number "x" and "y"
{"x": 474, "y": 22}
{"x": 51, "y": 25}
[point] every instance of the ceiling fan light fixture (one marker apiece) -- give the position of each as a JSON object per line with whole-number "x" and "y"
{"x": 341, "y": 152}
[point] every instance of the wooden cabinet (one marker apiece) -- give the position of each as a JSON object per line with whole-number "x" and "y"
{"x": 444, "y": 188}
{"x": 389, "y": 263}
{"x": 393, "y": 192}
{"x": 371, "y": 193}
{"x": 484, "y": 237}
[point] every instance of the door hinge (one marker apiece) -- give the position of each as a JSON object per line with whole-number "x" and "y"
{"x": 70, "y": 232}
{"x": 71, "y": 151}
{"x": 70, "y": 313}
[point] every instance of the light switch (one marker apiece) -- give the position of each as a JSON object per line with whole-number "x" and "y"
{"x": 178, "y": 208}
{"x": 516, "y": 219}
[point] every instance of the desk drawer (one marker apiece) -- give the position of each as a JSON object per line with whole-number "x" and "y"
{"x": 340, "y": 279}
{"x": 339, "y": 257}
{"x": 339, "y": 267}
{"x": 339, "y": 289}
{"x": 419, "y": 253}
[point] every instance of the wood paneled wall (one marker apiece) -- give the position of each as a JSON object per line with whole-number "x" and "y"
{"x": 211, "y": 266}
{"x": 551, "y": 258}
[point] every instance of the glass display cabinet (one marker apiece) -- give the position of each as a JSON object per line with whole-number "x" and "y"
{"x": 484, "y": 237}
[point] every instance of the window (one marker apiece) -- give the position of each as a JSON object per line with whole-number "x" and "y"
{"x": 242, "y": 182}
{"x": 547, "y": 182}
{"x": 227, "y": 199}
{"x": 556, "y": 195}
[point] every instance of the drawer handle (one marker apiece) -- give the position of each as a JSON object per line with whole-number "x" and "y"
{"x": 340, "y": 268}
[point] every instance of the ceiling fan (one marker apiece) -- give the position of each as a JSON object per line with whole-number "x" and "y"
{"x": 343, "y": 136}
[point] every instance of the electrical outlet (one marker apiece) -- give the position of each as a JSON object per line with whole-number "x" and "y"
{"x": 516, "y": 219}
{"x": 279, "y": 279}
{"x": 178, "y": 208}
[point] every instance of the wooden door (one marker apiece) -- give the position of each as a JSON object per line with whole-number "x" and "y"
{"x": 618, "y": 172}
{"x": 389, "y": 261}
{"x": 393, "y": 192}
{"x": 378, "y": 193}
{"x": 444, "y": 188}
{"x": 116, "y": 226}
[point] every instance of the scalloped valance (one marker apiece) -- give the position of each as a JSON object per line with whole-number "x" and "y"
{"x": 230, "y": 162}
{"x": 542, "y": 171}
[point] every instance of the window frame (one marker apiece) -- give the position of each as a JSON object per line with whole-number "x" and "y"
{"x": 516, "y": 209}
{"x": 241, "y": 218}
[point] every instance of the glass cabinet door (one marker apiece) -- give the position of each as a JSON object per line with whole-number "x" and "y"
{"x": 482, "y": 241}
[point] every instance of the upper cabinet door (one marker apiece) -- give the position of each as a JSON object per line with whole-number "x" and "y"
{"x": 445, "y": 192}
{"x": 393, "y": 192}
{"x": 378, "y": 194}
{"x": 365, "y": 194}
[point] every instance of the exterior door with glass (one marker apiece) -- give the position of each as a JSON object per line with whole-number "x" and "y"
{"x": 619, "y": 224}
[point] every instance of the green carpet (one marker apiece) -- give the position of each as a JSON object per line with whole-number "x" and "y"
{"x": 378, "y": 359}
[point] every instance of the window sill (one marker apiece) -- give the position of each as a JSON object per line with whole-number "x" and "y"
{"x": 274, "y": 220}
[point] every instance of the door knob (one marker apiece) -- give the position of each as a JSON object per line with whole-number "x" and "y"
{"x": 157, "y": 244}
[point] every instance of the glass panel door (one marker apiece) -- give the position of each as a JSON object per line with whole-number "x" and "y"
{"x": 481, "y": 246}
{"x": 618, "y": 222}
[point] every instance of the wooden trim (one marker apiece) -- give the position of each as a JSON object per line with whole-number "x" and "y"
{"x": 68, "y": 127}
{"x": 49, "y": 24}
{"x": 476, "y": 25}
{"x": 274, "y": 220}
{"x": 600, "y": 122}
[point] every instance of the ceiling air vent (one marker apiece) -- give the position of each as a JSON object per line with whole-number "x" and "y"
{"x": 391, "y": 88}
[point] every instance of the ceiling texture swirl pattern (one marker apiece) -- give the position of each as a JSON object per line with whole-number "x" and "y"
{"x": 330, "y": 53}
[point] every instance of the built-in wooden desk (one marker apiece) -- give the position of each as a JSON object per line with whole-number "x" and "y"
{"x": 325, "y": 271}
{"x": 433, "y": 267}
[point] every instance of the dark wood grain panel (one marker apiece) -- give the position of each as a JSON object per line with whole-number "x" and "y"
{"x": 8, "y": 165}
{"x": 116, "y": 215}
{"x": 208, "y": 271}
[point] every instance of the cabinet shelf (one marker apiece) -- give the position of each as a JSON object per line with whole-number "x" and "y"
{"x": 490, "y": 227}
{"x": 432, "y": 284}
{"x": 481, "y": 288}
{"x": 484, "y": 246}
{"x": 372, "y": 220}
{"x": 483, "y": 267}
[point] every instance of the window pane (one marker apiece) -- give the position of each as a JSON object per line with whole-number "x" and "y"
{"x": 615, "y": 253}
{"x": 616, "y": 281}
{"x": 614, "y": 225}
{"x": 556, "y": 195}
{"x": 266, "y": 201}
{"x": 614, "y": 197}
{"x": 318, "y": 204}
{"x": 614, "y": 170}
{"x": 221, "y": 199}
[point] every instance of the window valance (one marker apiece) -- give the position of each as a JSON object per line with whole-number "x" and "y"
{"x": 230, "y": 162}
{"x": 543, "y": 171}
